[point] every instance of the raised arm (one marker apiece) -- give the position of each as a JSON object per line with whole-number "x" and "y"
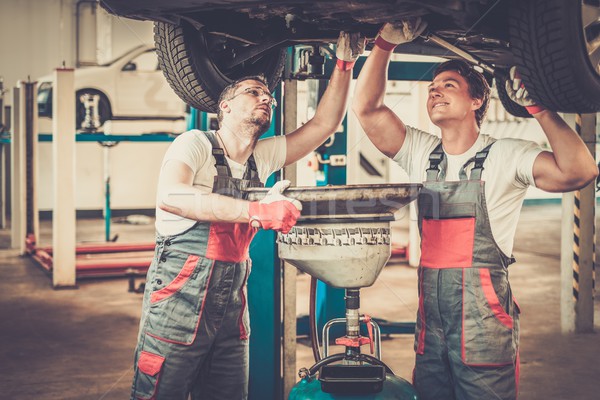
{"x": 570, "y": 165}
{"x": 178, "y": 196}
{"x": 380, "y": 123}
{"x": 332, "y": 106}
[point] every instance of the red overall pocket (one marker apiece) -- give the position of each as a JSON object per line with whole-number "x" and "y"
{"x": 149, "y": 366}
{"x": 447, "y": 243}
{"x": 175, "y": 307}
{"x": 180, "y": 280}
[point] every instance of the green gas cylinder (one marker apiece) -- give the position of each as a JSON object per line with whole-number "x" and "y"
{"x": 394, "y": 388}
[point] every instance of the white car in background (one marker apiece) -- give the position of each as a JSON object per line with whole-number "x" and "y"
{"x": 130, "y": 88}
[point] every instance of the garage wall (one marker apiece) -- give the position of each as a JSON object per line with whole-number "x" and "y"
{"x": 36, "y": 36}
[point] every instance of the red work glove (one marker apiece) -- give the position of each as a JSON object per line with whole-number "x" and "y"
{"x": 275, "y": 211}
{"x": 349, "y": 47}
{"x": 517, "y": 93}
{"x": 392, "y": 34}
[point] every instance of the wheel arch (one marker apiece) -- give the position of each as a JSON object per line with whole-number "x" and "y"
{"x": 191, "y": 68}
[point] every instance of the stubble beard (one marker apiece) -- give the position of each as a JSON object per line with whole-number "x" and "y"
{"x": 258, "y": 124}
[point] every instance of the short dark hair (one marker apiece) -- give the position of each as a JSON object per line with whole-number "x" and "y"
{"x": 230, "y": 89}
{"x": 478, "y": 86}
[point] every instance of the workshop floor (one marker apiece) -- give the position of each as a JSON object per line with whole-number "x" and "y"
{"x": 78, "y": 344}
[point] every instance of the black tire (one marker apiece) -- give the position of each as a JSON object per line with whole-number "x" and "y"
{"x": 510, "y": 106}
{"x": 190, "y": 58}
{"x": 549, "y": 44}
{"x": 104, "y": 109}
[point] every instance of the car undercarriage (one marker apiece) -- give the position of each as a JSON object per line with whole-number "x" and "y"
{"x": 205, "y": 45}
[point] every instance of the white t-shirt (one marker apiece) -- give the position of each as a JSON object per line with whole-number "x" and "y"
{"x": 508, "y": 171}
{"x": 194, "y": 149}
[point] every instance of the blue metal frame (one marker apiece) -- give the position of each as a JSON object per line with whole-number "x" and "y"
{"x": 397, "y": 71}
{"x": 100, "y": 137}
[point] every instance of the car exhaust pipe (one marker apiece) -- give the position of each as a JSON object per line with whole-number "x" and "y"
{"x": 459, "y": 52}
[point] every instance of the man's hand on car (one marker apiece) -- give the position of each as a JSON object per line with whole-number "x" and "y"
{"x": 275, "y": 211}
{"x": 519, "y": 94}
{"x": 349, "y": 47}
{"x": 392, "y": 34}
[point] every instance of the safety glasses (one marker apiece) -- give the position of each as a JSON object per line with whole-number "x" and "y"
{"x": 257, "y": 91}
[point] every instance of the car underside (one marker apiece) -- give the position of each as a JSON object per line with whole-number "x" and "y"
{"x": 479, "y": 26}
{"x": 222, "y": 41}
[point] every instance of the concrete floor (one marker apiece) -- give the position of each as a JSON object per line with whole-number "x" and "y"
{"x": 78, "y": 344}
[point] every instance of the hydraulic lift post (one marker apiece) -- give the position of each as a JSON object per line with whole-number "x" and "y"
{"x": 63, "y": 165}
{"x": 289, "y": 370}
{"x": 578, "y": 243}
{"x": 17, "y": 180}
{"x": 264, "y": 301}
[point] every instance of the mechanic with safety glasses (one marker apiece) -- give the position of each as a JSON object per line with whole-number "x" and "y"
{"x": 194, "y": 330}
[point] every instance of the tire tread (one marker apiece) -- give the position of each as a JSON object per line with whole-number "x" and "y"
{"x": 176, "y": 60}
{"x": 541, "y": 37}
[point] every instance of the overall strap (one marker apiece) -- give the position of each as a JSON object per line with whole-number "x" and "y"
{"x": 477, "y": 169}
{"x": 251, "y": 172}
{"x": 219, "y": 155}
{"x": 437, "y": 164}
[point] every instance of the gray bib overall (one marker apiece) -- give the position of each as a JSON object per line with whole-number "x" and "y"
{"x": 195, "y": 325}
{"x": 466, "y": 338}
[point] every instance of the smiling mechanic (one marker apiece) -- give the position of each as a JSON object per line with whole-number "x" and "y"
{"x": 467, "y": 331}
{"x": 194, "y": 329}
